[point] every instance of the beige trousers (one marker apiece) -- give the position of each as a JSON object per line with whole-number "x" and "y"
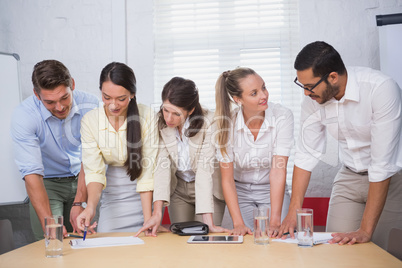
{"x": 182, "y": 204}
{"x": 348, "y": 201}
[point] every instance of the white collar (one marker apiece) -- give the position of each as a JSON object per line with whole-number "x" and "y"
{"x": 186, "y": 125}
{"x": 240, "y": 124}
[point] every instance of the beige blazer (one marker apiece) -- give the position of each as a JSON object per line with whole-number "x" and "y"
{"x": 203, "y": 163}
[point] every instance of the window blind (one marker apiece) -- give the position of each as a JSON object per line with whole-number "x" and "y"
{"x": 200, "y": 39}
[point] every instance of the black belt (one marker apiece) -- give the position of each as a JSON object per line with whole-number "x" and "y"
{"x": 363, "y": 173}
{"x": 71, "y": 178}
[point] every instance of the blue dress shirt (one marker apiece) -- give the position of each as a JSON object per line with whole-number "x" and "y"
{"x": 46, "y": 145}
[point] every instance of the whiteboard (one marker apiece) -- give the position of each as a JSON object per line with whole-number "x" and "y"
{"x": 391, "y": 51}
{"x": 12, "y": 187}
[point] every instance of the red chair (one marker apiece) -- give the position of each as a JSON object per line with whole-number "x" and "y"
{"x": 318, "y": 204}
{"x": 320, "y": 208}
{"x": 166, "y": 219}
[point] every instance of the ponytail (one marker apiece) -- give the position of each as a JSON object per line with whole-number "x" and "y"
{"x": 134, "y": 142}
{"x": 227, "y": 86}
{"x": 222, "y": 112}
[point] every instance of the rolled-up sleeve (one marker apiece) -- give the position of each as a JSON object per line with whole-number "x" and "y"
{"x": 225, "y": 158}
{"x": 385, "y": 132}
{"x": 92, "y": 160}
{"x": 26, "y": 143}
{"x": 311, "y": 142}
{"x": 229, "y": 156}
{"x": 284, "y": 139}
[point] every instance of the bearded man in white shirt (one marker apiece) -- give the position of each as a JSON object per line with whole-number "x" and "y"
{"x": 361, "y": 108}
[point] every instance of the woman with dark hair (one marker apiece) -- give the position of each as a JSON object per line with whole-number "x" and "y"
{"x": 186, "y": 176}
{"x": 118, "y": 155}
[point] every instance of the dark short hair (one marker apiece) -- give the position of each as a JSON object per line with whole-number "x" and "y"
{"x": 49, "y": 74}
{"x": 321, "y": 57}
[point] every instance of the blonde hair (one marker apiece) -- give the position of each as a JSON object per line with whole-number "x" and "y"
{"x": 227, "y": 86}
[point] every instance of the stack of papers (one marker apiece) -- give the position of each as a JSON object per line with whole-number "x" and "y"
{"x": 105, "y": 242}
{"x": 319, "y": 238}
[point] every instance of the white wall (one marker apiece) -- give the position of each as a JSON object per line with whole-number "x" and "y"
{"x": 83, "y": 34}
{"x": 78, "y": 33}
{"x": 140, "y": 52}
{"x": 88, "y": 34}
{"x": 349, "y": 26}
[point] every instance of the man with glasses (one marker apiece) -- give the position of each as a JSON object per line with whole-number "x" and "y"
{"x": 361, "y": 108}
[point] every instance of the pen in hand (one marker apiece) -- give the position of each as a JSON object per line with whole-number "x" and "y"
{"x": 72, "y": 235}
{"x": 289, "y": 233}
{"x": 85, "y": 233}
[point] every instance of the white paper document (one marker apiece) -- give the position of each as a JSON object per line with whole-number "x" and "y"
{"x": 319, "y": 238}
{"x": 105, "y": 242}
{"x": 193, "y": 230}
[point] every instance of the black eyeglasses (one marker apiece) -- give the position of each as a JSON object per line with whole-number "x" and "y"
{"x": 311, "y": 89}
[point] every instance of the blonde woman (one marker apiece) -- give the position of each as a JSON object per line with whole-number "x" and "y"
{"x": 254, "y": 143}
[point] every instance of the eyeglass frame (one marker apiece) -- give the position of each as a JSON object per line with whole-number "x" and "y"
{"x": 316, "y": 84}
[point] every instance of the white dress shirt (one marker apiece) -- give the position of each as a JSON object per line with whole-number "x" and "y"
{"x": 366, "y": 121}
{"x": 252, "y": 159}
{"x": 184, "y": 170}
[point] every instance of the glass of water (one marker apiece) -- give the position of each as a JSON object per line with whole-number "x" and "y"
{"x": 54, "y": 236}
{"x": 261, "y": 225}
{"x": 305, "y": 227}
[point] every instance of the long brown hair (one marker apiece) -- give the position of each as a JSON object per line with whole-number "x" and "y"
{"x": 122, "y": 75}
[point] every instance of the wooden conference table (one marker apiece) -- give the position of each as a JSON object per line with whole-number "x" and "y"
{"x": 170, "y": 250}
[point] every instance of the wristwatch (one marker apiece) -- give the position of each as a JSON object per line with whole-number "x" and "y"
{"x": 81, "y": 204}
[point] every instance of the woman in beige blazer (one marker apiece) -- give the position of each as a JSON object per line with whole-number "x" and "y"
{"x": 187, "y": 177}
